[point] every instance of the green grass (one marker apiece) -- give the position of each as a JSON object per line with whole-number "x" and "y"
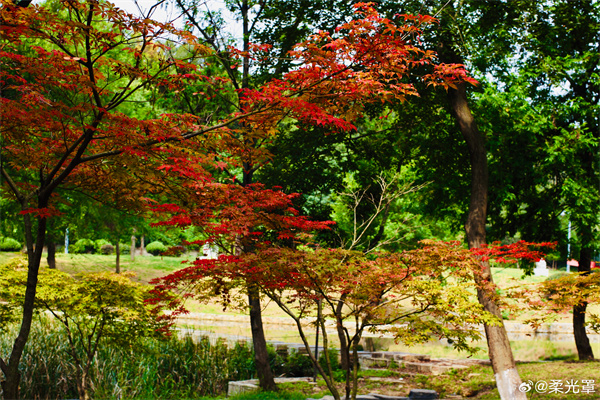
{"x": 146, "y": 268}
{"x": 282, "y": 395}
{"x": 478, "y": 382}
{"x": 475, "y": 382}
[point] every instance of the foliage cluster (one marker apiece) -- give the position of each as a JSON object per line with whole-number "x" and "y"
{"x": 10, "y": 244}
{"x": 72, "y": 97}
{"x": 558, "y": 294}
{"x": 155, "y": 248}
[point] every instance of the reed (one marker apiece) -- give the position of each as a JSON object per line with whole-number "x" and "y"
{"x": 151, "y": 369}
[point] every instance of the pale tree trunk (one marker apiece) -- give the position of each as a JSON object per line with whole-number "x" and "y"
{"x": 132, "y": 248}
{"x": 582, "y": 342}
{"x": 82, "y": 386}
{"x": 503, "y": 363}
{"x": 142, "y": 246}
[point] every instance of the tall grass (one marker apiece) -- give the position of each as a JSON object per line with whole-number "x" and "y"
{"x": 152, "y": 369}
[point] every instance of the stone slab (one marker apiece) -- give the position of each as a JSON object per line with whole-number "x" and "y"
{"x": 423, "y": 394}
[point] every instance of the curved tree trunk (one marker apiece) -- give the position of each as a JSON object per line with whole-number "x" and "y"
{"x": 507, "y": 377}
{"x": 10, "y": 386}
{"x": 582, "y": 342}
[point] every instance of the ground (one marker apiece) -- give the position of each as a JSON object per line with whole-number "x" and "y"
{"x": 476, "y": 382}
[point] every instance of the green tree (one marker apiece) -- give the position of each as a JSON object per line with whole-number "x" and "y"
{"x": 560, "y": 69}
{"x": 93, "y": 308}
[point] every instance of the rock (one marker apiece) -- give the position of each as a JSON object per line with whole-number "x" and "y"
{"x": 423, "y": 394}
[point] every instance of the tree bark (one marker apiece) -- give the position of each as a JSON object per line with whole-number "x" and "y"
{"x": 10, "y": 386}
{"x": 582, "y": 342}
{"x": 344, "y": 349}
{"x": 51, "y": 258}
{"x": 261, "y": 357}
{"x": 503, "y": 363}
{"x": 118, "y": 258}
{"x": 132, "y": 248}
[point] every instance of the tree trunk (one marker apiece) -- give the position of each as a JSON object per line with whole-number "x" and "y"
{"x": 503, "y": 363}
{"x": 142, "y": 246}
{"x": 261, "y": 357}
{"x": 51, "y": 254}
{"x": 118, "y": 258}
{"x": 584, "y": 349}
{"x": 132, "y": 248}
{"x": 344, "y": 345}
{"x": 82, "y": 386}
{"x": 10, "y": 386}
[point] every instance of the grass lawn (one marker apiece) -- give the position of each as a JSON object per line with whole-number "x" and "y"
{"x": 478, "y": 382}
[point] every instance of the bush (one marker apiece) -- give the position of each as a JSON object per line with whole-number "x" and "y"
{"x": 299, "y": 365}
{"x": 98, "y": 245}
{"x": 125, "y": 248}
{"x": 155, "y": 248}
{"x": 10, "y": 244}
{"x": 82, "y": 246}
{"x": 276, "y": 362}
{"x": 107, "y": 249}
{"x": 174, "y": 251}
{"x": 334, "y": 360}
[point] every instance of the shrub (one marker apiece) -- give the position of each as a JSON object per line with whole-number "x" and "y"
{"x": 299, "y": 364}
{"x": 177, "y": 368}
{"x": 155, "y": 248}
{"x": 10, "y": 244}
{"x": 107, "y": 249}
{"x": 193, "y": 247}
{"x": 276, "y": 362}
{"x": 125, "y": 248}
{"x": 82, "y": 246}
{"x": 334, "y": 359}
{"x": 174, "y": 251}
{"x": 98, "y": 245}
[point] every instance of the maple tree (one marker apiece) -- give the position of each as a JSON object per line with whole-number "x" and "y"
{"x": 413, "y": 295}
{"x": 364, "y": 61}
{"x": 93, "y": 308}
{"x": 65, "y": 79}
{"x": 555, "y": 297}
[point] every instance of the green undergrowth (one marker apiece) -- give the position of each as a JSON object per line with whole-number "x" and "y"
{"x": 281, "y": 395}
{"x": 151, "y": 369}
